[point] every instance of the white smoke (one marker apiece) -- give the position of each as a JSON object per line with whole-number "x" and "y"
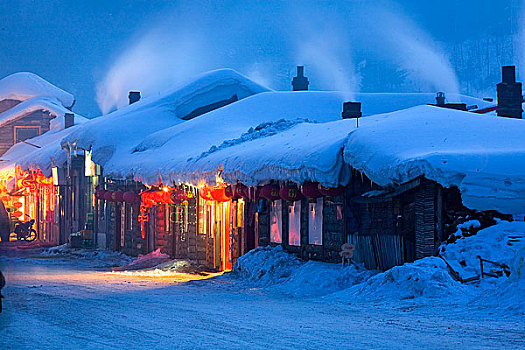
{"x": 151, "y": 63}
{"x": 398, "y": 38}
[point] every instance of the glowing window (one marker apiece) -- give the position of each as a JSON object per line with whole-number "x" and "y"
{"x": 315, "y": 222}
{"x": 276, "y": 222}
{"x": 294, "y": 224}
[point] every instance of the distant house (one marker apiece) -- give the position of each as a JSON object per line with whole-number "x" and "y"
{"x": 28, "y": 103}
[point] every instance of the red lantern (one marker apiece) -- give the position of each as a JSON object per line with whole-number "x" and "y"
{"x": 218, "y": 194}
{"x": 290, "y": 193}
{"x": 240, "y": 191}
{"x": 205, "y": 193}
{"x": 108, "y": 196}
{"x": 99, "y": 194}
{"x": 330, "y": 191}
{"x": 229, "y": 191}
{"x": 147, "y": 198}
{"x": 270, "y": 192}
{"x": 131, "y": 197}
{"x": 117, "y": 196}
{"x": 311, "y": 190}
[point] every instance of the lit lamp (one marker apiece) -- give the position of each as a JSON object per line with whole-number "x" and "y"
{"x": 59, "y": 176}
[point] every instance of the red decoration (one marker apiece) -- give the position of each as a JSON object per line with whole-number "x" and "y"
{"x": 229, "y": 191}
{"x": 240, "y": 191}
{"x": 311, "y": 190}
{"x": 100, "y": 194}
{"x": 270, "y": 192}
{"x": 218, "y": 194}
{"x": 131, "y": 197}
{"x": 108, "y": 196}
{"x": 117, "y": 196}
{"x": 205, "y": 193}
{"x": 331, "y": 191}
{"x": 180, "y": 195}
{"x": 290, "y": 193}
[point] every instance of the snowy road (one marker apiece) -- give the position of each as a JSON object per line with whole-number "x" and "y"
{"x": 63, "y": 303}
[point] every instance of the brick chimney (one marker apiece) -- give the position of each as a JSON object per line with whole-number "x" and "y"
{"x": 300, "y": 82}
{"x": 69, "y": 120}
{"x": 134, "y": 96}
{"x": 510, "y": 95}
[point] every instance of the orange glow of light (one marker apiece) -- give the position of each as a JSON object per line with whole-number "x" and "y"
{"x": 17, "y": 205}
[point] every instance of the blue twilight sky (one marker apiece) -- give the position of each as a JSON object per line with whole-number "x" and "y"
{"x": 98, "y": 50}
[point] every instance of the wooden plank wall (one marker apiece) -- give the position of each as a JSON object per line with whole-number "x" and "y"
{"x": 425, "y": 230}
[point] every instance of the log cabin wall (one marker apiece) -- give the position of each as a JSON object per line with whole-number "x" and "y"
{"x": 7, "y": 104}
{"x": 38, "y": 119}
{"x": 187, "y": 241}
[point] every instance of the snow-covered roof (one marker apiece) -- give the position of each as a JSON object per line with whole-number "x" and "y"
{"x": 31, "y": 157}
{"x": 482, "y": 155}
{"x": 115, "y": 135}
{"x": 49, "y": 104}
{"x": 166, "y": 153}
{"x": 24, "y": 85}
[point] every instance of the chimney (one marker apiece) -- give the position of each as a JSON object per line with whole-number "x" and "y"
{"x": 69, "y": 120}
{"x": 510, "y": 95}
{"x": 351, "y": 110}
{"x": 300, "y": 82}
{"x": 440, "y": 99}
{"x": 133, "y": 96}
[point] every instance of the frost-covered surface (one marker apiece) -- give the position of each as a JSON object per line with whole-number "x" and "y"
{"x": 271, "y": 300}
{"x": 24, "y": 85}
{"x": 482, "y": 155}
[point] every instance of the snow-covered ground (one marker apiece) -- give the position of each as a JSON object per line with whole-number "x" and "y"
{"x": 64, "y": 299}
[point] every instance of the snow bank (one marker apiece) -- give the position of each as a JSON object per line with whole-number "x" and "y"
{"x": 145, "y": 261}
{"x": 283, "y": 272}
{"x": 425, "y": 278}
{"x": 482, "y": 155}
{"x": 23, "y": 85}
{"x": 98, "y": 257}
{"x": 493, "y": 243}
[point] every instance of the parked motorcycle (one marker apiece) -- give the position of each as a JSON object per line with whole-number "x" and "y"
{"x": 25, "y": 231}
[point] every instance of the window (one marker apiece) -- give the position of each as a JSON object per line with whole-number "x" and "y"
{"x": 276, "y": 222}
{"x": 315, "y": 222}
{"x": 294, "y": 224}
{"x": 23, "y": 133}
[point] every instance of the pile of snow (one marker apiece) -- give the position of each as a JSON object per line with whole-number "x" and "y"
{"x": 164, "y": 269}
{"x": 145, "y": 261}
{"x": 285, "y": 273}
{"x": 23, "y": 85}
{"x": 425, "y": 278}
{"x": 508, "y": 296}
{"x": 493, "y": 243}
{"x": 98, "y": 257}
